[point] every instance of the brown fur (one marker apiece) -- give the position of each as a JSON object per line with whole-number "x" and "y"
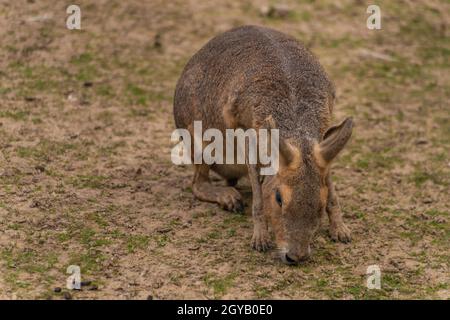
{"x": 242, "y": 78}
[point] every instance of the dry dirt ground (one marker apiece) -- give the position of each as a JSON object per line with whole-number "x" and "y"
{"x": 86, "y": 177}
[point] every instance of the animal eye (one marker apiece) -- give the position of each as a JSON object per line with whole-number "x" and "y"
{"x": 278, "y": 198}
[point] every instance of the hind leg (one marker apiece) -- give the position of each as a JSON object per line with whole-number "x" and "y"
{"x": 227, "y": 197}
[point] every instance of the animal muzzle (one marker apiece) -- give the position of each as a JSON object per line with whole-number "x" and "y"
{"x": 291, "y": 258}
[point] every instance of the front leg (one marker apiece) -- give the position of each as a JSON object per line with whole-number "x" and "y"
{"x": 261, "y": 237}
{"x": 338, "y": 229}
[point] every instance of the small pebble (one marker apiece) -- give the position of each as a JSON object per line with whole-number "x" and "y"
{"x": 72, "y": 97}
{"x": 275, "y": 11}
{"x": 421, "y": 141}
{"x": 40, "y": 168}
{"x": 57, "y": 290}
{"x": 157, "y": 41}
{"x": 164, "y": 229}
{"x": 35, "y": 204}
{"x": 67, "y": 296}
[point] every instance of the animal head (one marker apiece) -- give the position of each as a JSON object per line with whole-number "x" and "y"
{"x": 295, "y": 199}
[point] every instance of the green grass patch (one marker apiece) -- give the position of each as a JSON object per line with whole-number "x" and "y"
{"x": 137, "y": 242}
{"x": 89, "y": 181}
{"x": 17, "y": 115}
{"x": 220, "y": 285}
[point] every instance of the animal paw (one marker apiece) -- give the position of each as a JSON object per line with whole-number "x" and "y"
{"x": 230, "y": 199}
{"x": 340, "y": 232}
{"x": 261, "y": 239}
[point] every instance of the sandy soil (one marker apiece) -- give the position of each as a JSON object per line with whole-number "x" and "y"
{"x": 86, "y": 177}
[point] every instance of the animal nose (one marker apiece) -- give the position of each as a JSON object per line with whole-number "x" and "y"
{"x": 291, "y": 259}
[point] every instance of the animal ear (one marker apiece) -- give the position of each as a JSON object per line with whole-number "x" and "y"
{"x": 289, "y": 154}
{"x": 335, "y": 139}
